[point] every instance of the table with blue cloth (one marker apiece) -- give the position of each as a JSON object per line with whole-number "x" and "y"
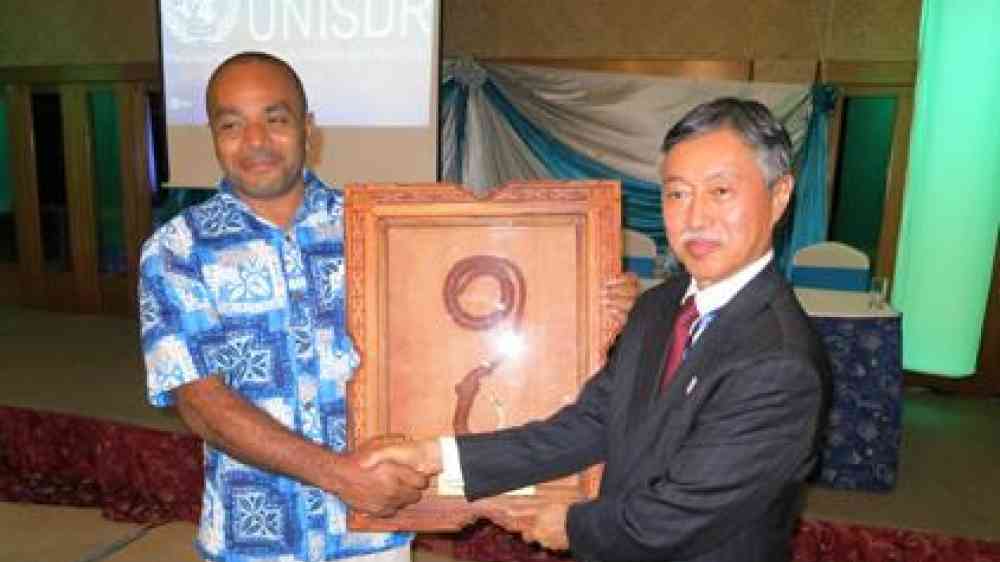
{"x": 860, "y": 449}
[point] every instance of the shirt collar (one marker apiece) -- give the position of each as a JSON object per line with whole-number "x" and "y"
{"x": 312, "y": 198}
{"x": 717, "y": 295}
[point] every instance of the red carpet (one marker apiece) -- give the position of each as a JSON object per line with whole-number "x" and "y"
{"x": 149, "y": 476}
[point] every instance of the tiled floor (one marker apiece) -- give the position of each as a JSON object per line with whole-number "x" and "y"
{"x": 36, "y": 533}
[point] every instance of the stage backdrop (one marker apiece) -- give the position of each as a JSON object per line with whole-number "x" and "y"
{"x": 501, "y": 122}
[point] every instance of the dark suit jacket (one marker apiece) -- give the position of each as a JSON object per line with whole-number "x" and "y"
{"x": 713, "y": 469}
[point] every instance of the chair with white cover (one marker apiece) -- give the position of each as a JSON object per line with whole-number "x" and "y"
{"x": 640, "y": 258}
{"x": 831, "y": 265}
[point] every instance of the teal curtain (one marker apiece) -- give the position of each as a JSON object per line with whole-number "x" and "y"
{"x": 807, "y": 223}
{"x": 172, "y": 201}
{"x": 8, "y": 240}
{"x": 866, "y": 142}
{"x": 107, "y": 181}
{"x": 640, "y": 199}
{"x": 6, "y": 185}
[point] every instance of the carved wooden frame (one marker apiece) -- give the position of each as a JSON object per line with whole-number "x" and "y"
{"x": 585, "y": 212}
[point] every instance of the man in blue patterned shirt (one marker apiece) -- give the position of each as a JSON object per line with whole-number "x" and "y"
{"x": 242, "y": 321}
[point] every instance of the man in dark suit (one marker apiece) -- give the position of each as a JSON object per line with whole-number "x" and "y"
{"x": 708, "y": 410}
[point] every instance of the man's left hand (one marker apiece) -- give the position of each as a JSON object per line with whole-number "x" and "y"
{"x": 618, "y": 295}
{"x": 544, "y": 523}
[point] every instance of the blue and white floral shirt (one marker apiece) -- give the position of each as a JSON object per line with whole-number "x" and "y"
{"x": 225, "y": 292}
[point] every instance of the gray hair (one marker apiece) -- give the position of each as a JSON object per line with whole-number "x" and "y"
{"x": 751, "y": 120}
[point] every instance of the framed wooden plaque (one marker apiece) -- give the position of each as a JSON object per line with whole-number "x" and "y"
{"x": 473, "y": 315}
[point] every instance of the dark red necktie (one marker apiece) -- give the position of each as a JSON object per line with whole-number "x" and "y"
{"x": 687, "y": 314}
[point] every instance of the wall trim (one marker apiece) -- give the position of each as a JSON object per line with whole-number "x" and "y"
{"x": 61, "y": 74}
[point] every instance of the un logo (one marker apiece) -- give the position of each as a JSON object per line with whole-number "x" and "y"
{"x": 200, "y": 21}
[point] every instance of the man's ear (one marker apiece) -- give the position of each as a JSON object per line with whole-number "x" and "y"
{"x": 310, "y": 122}
{"x": 781, "y": 194}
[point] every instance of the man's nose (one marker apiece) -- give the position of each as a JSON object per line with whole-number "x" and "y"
{"x": 697, "y": 215}
{"x": 255, "y": 134}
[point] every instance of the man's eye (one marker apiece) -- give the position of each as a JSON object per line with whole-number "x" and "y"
{"x": 674, "y": 195}
{"x": 721, "y": 191}
{"x": 278, "y": 119}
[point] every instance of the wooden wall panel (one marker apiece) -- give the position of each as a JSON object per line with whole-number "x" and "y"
{"x": 25, "y": 178}
{"x": 989, "y": 357}
{"x": 895, "y": 185}
{"x": 888, "y": 79}
{"x": 10, "y": 284}
{"x": 870, "y": 73}
{"x": 136, "y": 189}
{"x": 78, "y": 32}
{"x": 785, "y": 70}
{"x": 716, "y": 29}
{"x": 78, "y": 152}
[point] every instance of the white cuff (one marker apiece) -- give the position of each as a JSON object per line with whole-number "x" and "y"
{"x": 450, "y": 482}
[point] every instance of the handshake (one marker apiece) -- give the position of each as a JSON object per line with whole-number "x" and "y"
{"x": 392, "y": 473}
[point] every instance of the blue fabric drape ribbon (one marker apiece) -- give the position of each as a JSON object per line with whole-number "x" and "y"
{"x": 808, "y": 219}
{"x": 455, "y": 95}
{"x": 837, "y": 278}
{"x": 643, "y": 267}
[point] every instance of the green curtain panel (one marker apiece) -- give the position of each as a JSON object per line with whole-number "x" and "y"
{"x": 951, "y": 210}
{"x": 864, "y": 161}
{"x": 6, "y": 184}
{"x": 8, "y": 231}
{"x": 107, "y": 181}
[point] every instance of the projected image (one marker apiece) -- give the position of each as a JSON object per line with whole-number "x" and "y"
{"x": 364, "y": 63}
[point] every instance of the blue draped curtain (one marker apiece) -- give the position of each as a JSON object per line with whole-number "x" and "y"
{"x": 641, "y": 197}
{"x": 808, "y": 218}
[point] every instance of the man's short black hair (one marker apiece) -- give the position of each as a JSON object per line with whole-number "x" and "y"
{"x": 259, "y": 57}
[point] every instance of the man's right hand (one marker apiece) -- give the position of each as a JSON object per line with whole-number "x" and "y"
{"x": 377, "y": 488}
{"x": 423, "y": 455}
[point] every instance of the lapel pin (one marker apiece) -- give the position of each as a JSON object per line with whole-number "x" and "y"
{"x": 690, "y": 386}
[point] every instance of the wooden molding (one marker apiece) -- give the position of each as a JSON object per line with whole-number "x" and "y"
{"x": 25, "y": 177}
{"x": 785, "y": 70}
{"x": 833, "y": 136}
{"x": 705, "y": 69}
{"x": 117, "y": 296}
{"x": 973, "y": 385}
{"x": 881, "y": 73}
{"x": 895, "y": 182}
{"x": 59, "y": 74}
{"x": 895, "y": 186}
{"x": 78, "y": 151}
{"x": 989, "y": 354}
{"x": 133, "y": 111}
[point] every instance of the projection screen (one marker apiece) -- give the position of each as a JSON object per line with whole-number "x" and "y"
{"x": 369, "y": 67}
